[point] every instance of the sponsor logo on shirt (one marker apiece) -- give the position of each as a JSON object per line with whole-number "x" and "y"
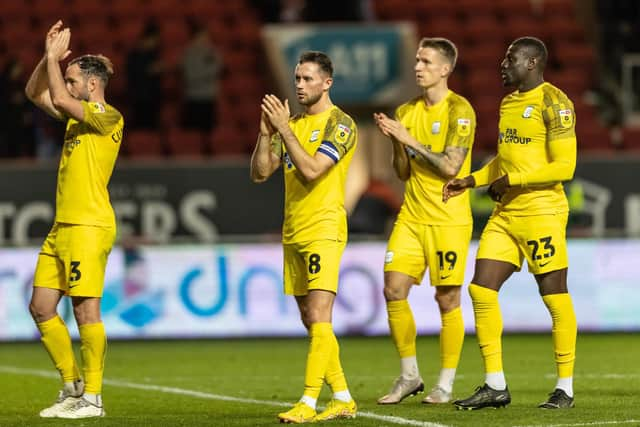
{"x": 287, "y": 161}
{"x": 527, "y": 112}
{"x": 97, "y": 107}
{"x": 511, "y": 137}
{"x": 314, "y": 136}
{"x": 464, "y": 127}
{"x": 388, "y": 257}
{"x": 566, "y": 118}
{"x": 342, "y": 133}
{"x": 435, "y": 128}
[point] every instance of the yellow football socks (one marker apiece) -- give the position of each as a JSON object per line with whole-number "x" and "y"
{"x": 451, "y": 338}
{"x": 93, "y": 348}
{"x": 320, "y": 349}
{"x": 564, "y": 332}
{"x": 488, "y": 326}
{"x": 402, "y": 327}
{"x": 335, "y": 375}
{"x": 57, "y": 342}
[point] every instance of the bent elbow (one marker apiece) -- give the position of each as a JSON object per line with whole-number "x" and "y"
{"x": 58, "y": 102}
{"x": 310, "y": 176}
{"x": 569, "y": 172}
{"x": 256, "y": 177}
{"x": 29, "y": 94}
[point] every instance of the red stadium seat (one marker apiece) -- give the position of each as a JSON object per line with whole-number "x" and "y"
{"x": 185, "y": 143}
{"x": 431, "y": 11}
{"x": 519, "y": 26}
{"x": 83, "y": 9}
{"x": 230, "y": 140}
{"x": 204, "y": 8}
{"x": 484, "y": 82}
{"x": 143, "y": 143}
{"x": 49, "y": 11}
{"x": 127, "y": 10}
{"x": 484, "y": 28}
{"x": 574, "y": 54}
{"x": 563, "y": 8}
{"x": 568, "y": 28}
{"x": 485, "y": 55}
{"x": 631, "y": 138}
{"x": 444, "y": 26}
{"x": 572, "y": 81}
{"x": 174, "y": 33}
{"x": 591, "y": 134}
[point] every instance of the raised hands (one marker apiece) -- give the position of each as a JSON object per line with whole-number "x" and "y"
{"x": 276, "y": 112}
{"x": 57, "y": 41}
{"x": 392, "y": 128}
{"x": 266, "y": 128}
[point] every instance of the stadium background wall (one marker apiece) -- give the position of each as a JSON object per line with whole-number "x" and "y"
{"x": 194, "y": 202}
{"x": 236, "y": 291}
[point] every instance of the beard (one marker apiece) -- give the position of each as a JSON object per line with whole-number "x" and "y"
{"x": 310, "y": 100}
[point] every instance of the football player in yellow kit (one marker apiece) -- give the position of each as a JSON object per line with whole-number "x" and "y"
{"x": 432, "y": 135}
{"x": 315, "y": 149}
{"x": 74, "y": 255}
{"x": 536, "y": 153}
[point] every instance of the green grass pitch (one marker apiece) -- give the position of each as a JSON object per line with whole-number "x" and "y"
{"x": 247, "y": 382}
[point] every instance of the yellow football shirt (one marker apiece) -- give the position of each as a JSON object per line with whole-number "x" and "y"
{"x": 536, "y": 126}
{"x": 450, "y": 122}
{"x": 315, "y": 210}
{"x": 88, "y": 157}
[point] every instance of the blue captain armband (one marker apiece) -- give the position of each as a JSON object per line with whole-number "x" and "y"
{"x": 329, "y": 150}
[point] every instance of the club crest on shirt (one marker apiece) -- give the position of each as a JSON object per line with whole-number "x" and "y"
{"x": 314, "y": 136}
{"x": 464, "y": 127}
{"x": 435, "y": 128}
{"x": 287, "y": 161}
{"x": 527, "y": 112}
{"x": 566, "y": 118}
{"x": 342, "y": 133}
{"x": 97, "y": 107}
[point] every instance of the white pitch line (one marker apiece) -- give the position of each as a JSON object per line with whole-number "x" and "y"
{"x": 211, "y": 396}
{"x": 591, "y": 423}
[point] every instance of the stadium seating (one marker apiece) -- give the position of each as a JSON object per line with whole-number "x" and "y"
{"x": 482, "y": 31}
{"x": 480, "y": 28}
{"x": 185, "y": 143}
{"x": 143, "y": 143}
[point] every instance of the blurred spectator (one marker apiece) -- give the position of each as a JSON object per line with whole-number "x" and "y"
{"x": 144, "y": 72}
{"x": 292, "y": 10}
{"x": 48, "y": 134}
{"x": 16, "y": 134}
{"x": 201, "y": 65}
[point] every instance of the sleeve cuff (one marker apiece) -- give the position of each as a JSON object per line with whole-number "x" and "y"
{"x": 516, "y": 179}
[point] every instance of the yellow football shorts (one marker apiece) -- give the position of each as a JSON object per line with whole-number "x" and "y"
{"x": 73, "y": 258}
{"x": 412, "y": 248}
{"x": 541, "y": 239}
{"x": 312, "y": 265}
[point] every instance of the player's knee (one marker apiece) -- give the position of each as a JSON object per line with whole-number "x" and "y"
{"x": 41, "y": 312}
{"x": 86, "y": 310}
{"x": 448, "y": 299}
{"x": 315, "y": 315}
{"x": 393, "y": 292}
